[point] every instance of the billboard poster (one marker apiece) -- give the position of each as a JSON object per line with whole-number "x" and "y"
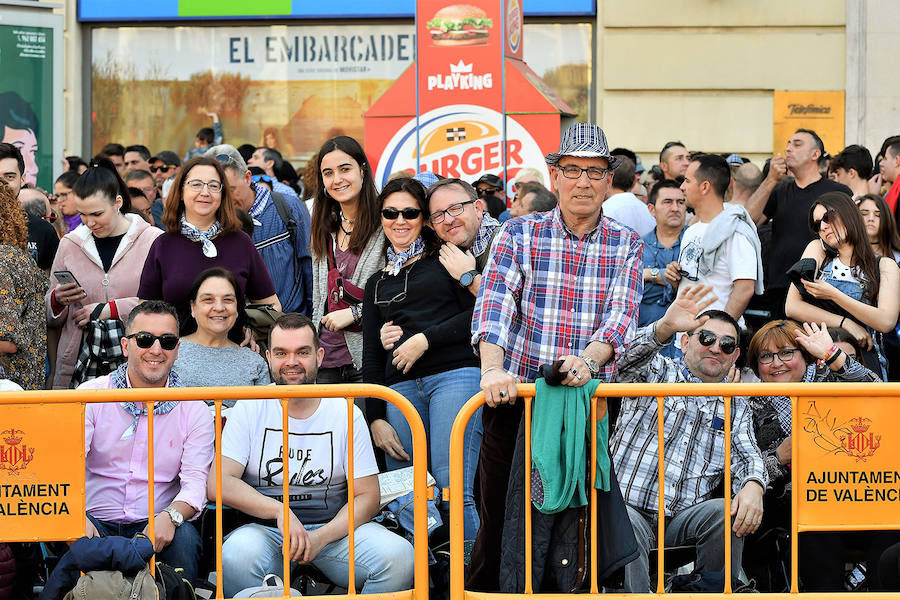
{"x": 26, "y": 98}
{"x": 289, "y": 87}
{"x": 823, "y": 112}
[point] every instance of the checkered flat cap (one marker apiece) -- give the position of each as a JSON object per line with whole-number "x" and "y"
{"x": 583, "y": 140}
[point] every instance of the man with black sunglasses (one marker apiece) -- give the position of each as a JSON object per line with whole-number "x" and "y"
{"x": 694, "y": 435}
{"x": 115, "y": 444}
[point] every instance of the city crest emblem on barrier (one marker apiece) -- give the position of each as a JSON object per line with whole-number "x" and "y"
{"x": 14, "y": 455}
{"x": 860, "y": 443}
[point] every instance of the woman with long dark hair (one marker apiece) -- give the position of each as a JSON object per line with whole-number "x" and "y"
{"x": 864, "y": 288}
{"x": 105, "y": 255}
{"x": 432, "y": 362}
{"x": 882, "y": 232}
{"x": 202, "y": 231}
{"x": 347, "y": 244}
{"x": 210, "y": 353}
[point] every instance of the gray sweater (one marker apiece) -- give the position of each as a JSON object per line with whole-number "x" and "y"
{"x": 205, "y": 366}
{"x": 370, "y": 261}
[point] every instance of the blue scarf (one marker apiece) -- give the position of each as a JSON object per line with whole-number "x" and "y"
{"x": 782, "y": 404}
{"x": 259, "y": 205}
{"x": 119, "y": 380}
{"x": 396, "y": 259}
{"x": 485, "y": 231}
{"x": 194, "y": 234}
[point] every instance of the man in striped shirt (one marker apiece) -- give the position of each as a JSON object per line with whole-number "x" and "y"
{"x": 694, "y": 437}
{"x": 565, "y": 284}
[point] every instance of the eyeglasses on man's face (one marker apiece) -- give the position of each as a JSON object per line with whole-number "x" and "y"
{"x": 454, "y": 210}
{"x": 574, "y": 172}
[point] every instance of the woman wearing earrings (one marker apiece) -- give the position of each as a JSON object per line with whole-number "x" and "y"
{"x": 202, "y": 231}
{"x": 428, "y": 314}
{"x": 105, "y": 256}
{"x": 863, "y": 289}
{"x": 347, "y": 244}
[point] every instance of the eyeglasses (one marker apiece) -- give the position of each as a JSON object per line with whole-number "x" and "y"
{"x": 397, "y": 298}
{"x": 258, "y": 178}
{"x": 573, "y": 172}
{"x": 454, "y": 210}
{"x": 727, "y": 343}
{"x": 49, "y": 218}
{"x": 162, "y": 168}
{"x": 409, "y": 214}
{"x": 213, "y": 186}
{"x": 784, "y": 355}
{"x": 487, "y": 191}
{"x": 828, "y": 218}
{"x": 143, "y": 339}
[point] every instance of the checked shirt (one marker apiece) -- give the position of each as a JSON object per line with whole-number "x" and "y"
{"x": 546, "y": 293}
{"x": 693, "y": 433}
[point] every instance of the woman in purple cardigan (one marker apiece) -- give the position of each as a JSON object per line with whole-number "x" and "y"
{"x": 202, "y": 231}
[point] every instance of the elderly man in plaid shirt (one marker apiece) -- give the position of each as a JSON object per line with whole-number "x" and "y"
{"x": 694, "y": 435}
{"x": 564, "y": 284}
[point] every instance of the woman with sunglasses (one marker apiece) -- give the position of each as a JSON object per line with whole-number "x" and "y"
{"x": 104, "y": 256}
{"x": 210, "y": 353}
{"x": 202, "y": 231}
{"x": 864, "y": 288}
{"x": 432, "y": 363}
{"x": 786, "y": 352}
{"x": 347, "y": 244}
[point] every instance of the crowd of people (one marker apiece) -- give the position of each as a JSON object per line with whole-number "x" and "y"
{"x": 229, "y": 269}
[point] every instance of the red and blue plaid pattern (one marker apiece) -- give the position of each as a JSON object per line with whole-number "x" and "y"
{"x": 546, "y": 293}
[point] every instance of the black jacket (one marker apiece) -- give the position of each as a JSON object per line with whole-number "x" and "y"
{"x": 560, "y": 542}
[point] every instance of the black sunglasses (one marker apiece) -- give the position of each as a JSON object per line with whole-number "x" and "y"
{"x": 409, "y": 214}
{"x": 143, "y": 339}
{"x": 828, "y": 217}
{"x": 163, "y": 168}
{"x": 727, "y": 343}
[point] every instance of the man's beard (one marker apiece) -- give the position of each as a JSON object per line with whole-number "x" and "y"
{"x": 308, "y": 377}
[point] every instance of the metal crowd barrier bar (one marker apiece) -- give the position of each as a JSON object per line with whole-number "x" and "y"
{"x": 284, "y": 393}
{"x": 660, "y": 392}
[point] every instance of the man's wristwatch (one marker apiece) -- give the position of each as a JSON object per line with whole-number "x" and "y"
{"x": 177, "y": 517}
{"x": 592, "y": 365}
{"x": 467, "y": 278}
{"x": 654, "y": 274}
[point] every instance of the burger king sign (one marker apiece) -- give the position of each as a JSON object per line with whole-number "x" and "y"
{"x": 461, "y": 140}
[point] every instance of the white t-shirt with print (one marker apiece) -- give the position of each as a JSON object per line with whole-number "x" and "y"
{"x": 735, "y": 259}
{"x": 253, "y": 437}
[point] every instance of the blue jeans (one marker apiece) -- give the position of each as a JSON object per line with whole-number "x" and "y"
{"x": 183, "y": 551}
{"x": 385, "y": 562}
{"x": 702, "y": 524}
{"x": 438, "y": 399}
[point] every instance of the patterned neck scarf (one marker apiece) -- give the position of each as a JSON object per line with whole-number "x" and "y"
{"x": 782, "y": 404}
{"x": 396, "y": 259}
{"x": 119, "y": 380}
{"x": 262, "y": 200}
{"x": 194, "y": 234}
{"x": 483, "y": 237}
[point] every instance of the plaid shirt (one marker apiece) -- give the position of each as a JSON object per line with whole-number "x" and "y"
{"x": 546, "y": 293}
{"x": 694, "y": 433}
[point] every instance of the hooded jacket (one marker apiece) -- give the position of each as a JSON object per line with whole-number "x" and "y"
{"x": 78, "y": 253}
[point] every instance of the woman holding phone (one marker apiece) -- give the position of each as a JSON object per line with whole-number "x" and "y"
{"x": 853, "y": 288}
{"x": 98, "y": 264}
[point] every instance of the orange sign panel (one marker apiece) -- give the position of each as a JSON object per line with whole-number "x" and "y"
{"x": 848, "y": 470}
{"x": 822, "y": 112}
{"x": 41, "y": 472}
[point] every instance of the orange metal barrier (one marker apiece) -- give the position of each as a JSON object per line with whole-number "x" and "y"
{"x": 660, "y": 391}
{"x": 349, "y": 391}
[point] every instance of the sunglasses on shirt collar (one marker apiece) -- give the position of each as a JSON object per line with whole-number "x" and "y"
{"x": 727, "y": 344}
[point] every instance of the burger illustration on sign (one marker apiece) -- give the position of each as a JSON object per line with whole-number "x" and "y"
{"x": 459, "y": 25}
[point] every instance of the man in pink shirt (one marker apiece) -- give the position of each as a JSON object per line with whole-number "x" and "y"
{"x": 115, "y": 445}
